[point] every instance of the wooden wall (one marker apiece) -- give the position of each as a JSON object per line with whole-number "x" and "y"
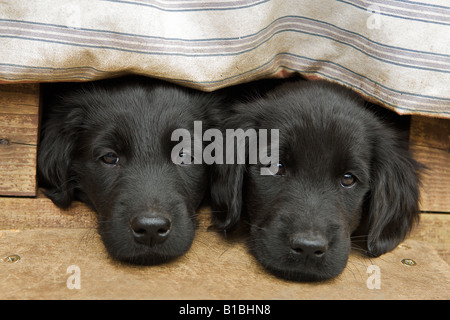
{"x": 430, "y": 144}
{"x": 19, "y": 120}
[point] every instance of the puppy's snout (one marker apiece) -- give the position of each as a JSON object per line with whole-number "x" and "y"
{"x": 150, "y": 229}
{"x": 307, "y": 245}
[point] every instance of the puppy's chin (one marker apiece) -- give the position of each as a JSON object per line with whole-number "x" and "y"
{"x": 301, "y": 274}
{"x": 278, "y": 260}
{"x": 130, "y": 252}
{"x": 149, "y": 256}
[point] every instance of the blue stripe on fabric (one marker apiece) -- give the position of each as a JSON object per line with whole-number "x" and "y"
{"x": 187, "y": 10}
{"x": 425, "y": 4}
{"x": 51, "y": 68}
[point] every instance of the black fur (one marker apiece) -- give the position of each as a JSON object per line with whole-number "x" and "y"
{"x": 132, "y": 118}
{"x": 302, "y": 220}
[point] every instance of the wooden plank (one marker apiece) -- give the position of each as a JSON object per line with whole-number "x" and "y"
{"x": 430, "y": 144}
{"x": 430, "y": 132}
{"x": 434, "y": 229}
{"x": 26, "y": 213}
{"x": 40, "y": 212}
{"x": 19, "y": 122}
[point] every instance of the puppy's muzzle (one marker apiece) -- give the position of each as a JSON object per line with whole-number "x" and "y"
{"x": 150, "y": 228}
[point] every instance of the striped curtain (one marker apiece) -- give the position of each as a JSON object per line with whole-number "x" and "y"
{"x": 393, "y": 52}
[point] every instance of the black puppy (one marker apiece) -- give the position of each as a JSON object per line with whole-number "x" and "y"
{"x": 108, "y": 143}
{"x": 340, "y": 170}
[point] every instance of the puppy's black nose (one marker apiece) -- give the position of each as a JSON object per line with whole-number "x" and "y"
{"x": 150, "y": 229}
{"x": 314, "y": 246}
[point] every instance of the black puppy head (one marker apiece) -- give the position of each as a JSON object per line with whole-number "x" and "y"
{"x": 110, "y": 146}
{"x": 336, "y": 161}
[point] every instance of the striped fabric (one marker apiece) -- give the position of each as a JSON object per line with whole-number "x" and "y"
{"x": 393, "y": 52}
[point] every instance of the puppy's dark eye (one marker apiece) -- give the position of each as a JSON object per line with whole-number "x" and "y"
{"x": 278, "y": 170}
{"x": 281, "y": 169}
{"x": 185, "y": 158}
{"x": 348, "y": 180}
{"x": 110, "y": 158}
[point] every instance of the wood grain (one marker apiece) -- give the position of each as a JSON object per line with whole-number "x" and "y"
{"x": 26, "y": 213}
{"x": 434, "y": 229}
{"x": 19, "y": 121}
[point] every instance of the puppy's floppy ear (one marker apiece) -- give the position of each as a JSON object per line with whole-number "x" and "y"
{"x": 394, "y": 195}
{"x": 57, "y": 145}
{"x": 226, "y": 194}
{"x": 227, "y": 180}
